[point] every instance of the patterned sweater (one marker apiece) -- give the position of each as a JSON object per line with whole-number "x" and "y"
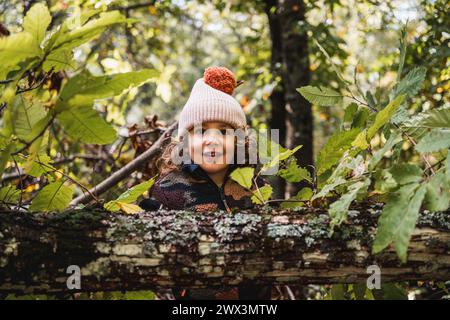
{"x": 190, "y": 188}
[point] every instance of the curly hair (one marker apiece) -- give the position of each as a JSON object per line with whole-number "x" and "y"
{"x": 165, "y": 163}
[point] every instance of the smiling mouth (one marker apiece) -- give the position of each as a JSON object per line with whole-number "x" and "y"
{"x": 212, "y": 154}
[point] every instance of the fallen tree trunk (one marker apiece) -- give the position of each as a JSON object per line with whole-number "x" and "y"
{"x": 179, "y": 248}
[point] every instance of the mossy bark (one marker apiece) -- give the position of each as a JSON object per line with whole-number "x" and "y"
{"x": 180, "y": 248}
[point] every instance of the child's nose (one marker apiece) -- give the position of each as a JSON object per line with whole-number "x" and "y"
{"x": 211, "y": 139}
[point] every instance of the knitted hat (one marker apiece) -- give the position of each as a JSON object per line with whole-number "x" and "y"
{"x": 211, "y": 100}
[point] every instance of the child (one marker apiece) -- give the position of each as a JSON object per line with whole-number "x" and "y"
{"x": 205, "y": 185}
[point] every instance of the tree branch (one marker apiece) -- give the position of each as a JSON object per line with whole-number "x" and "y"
{"x": 125, "y": 172}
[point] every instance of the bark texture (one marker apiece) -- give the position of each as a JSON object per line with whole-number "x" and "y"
{"x": 180, "y": 248}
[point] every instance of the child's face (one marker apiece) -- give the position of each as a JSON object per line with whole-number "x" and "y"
{"x": 211, "y": 147}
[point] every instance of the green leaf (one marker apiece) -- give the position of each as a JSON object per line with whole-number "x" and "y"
{"x": 433, "y": 141}
{"x": 264, "y": 194}
{"x": 360, "y": 141}
{"x": 384, "y": 181}
{"x": 294, "y": 173}
{"x": 321, "y": 96}
{"x": 437, "y": 118}
{"x": 411, "y": 83}
{"x": 334, "y": 148}
{"x": 37, "y": 21}
{"x": 15, "y": 49}
{"x": 29, "y": 111}
{"x": 53, "y": 197}
{"x": 337, "y": 292}
{"x": 405, "y": 173}
{"x": 350, "y": 112}
{"x": 59, "y": 60}
{"x": 384, "y": 116}
{"x": 447, "y": 166}
{"x": 360, "y": 119}
{"x": 339, "y": 209}
{"x": 390, "y": 143}
{"x": 437, "y": 197}
{"x": 5, "y": 155}
{"x": 303, "y": 195}
{"x": 87, "y": 32}
{"x": 84, "y": 88}
{"x": 243, "y": 176}
{"x": 399, "y": 218}
{"x": 281, "y": 156}
{"x": 329, "y": 187}
{"x": 39, "y": 165}
{"x": 129, "y": 196}
{"x": 9, "y": 194}
{"x": 85, "y": 124}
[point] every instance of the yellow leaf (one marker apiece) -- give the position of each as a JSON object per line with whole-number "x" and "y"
{"x": 129, "y": 208}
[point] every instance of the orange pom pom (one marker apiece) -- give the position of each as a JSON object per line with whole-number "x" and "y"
{"x": 220, "y": 78}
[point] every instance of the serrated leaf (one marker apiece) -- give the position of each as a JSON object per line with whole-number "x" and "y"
{"x": 339, "y": 209}
{"x": 5, "y": 155}
{"x": 384, "y": 116}
{"x": 59, "y": 60}
{"x": 9, "y": 194}
{"x": 263, "y": 193}
{"x": 437, "y": 118}
{"x": 29, "y": 112}
{"x": 405, "y": 173}
{"x": 398, "y": 219}
{"x": 334, "y": 148}
{"x": 130, "y": 195}
{"x": 384, "y": 181}
{"x": 83, "y": 89}
{"x": 437, "y": 197}
{"x": 85, "y": 124}
{"x": 304, "y": 194}
{"x": 433, "y": 141}
{"x": 360, "y": 119}
{"x": 37, "y": 21}
{"x": 294, "y": 173}
{"x": 447, "y": 166}
{"x": 53, "y": 197}
{"x": 243, "y": 176}
{"x": 15, "y": 49}
{"x": 350, "y": 112}
{"x": 39, "y": 165}
{"x": 390, "y": 143}
{"x": 360, "y": 141}
{"x": 70, "y": 39}
{"x": 281, "y": 156}
{"x": 329, "y": 187}
{"x": 411, "y": 83}
{"x": 321, "y": 96}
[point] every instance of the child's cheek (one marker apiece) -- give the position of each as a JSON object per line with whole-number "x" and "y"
{"x": 228, "y": 147}
{"x": 195, "y": 148}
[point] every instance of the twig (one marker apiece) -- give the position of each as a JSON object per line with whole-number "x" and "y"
{"x": 125, "y": 171}
{"x": 429, "y": 166}
{"x": 20, "y": 181}
{"x": 65, "y": 175}
{"x": 28, "y": 144}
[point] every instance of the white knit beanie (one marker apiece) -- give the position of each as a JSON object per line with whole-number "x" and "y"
{"x": 211, "y": 100}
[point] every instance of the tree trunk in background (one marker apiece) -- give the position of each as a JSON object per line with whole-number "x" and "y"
{"x": 166, "y": 249}
{"x": 278, "y": 110}
{"x": 296, "y": 73}
{"x": 291, "y": 113}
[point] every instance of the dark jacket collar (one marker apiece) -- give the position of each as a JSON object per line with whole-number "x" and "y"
{"x": 195, "y": 170}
